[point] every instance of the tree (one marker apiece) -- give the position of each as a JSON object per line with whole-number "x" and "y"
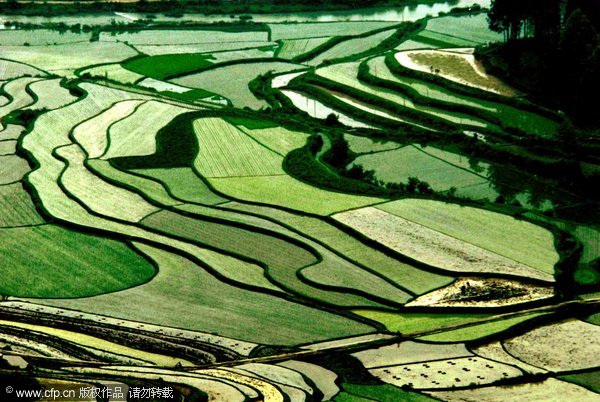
{"x": 506, "y": 16}
{"x": 533, "y": 18}
{"x": 542, "y": 17}
{"x": 578, "y": 38}
{"x": 13, "y": 4}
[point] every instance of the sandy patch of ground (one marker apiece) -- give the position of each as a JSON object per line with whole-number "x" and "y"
{"x": 483, "y": 292}
{"x": 456, "y": 66}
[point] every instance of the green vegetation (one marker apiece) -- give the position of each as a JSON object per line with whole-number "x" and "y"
{"x": 16, "y": 208}
{"x": 231, "y": 79}
{"x": 109, "y": 265}
{"x": 184, "y": 295}
{"x": 479, "y": 331}
{"x": 413, "y": 323}
{"x": 231, "y": 153}
{"x": 182, "y": 192}
{"x": 163, "y": 66}
{"x": 416, "y": 280}
{"x": 589, "y": 380}
{"x": 176, "y": 146}
{"x": 383, "y": 393}
{"x": 398, "y": 165}
{"x": 251, "y": 124}
{"x": 184, "y": 184}
{"x": 492, "y": 231}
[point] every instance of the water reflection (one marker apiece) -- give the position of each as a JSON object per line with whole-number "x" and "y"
{"x": 410, "y": 12}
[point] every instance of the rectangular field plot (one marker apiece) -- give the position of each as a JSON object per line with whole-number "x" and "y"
{"x": 432, "y": 247}
{"x": 295, "y": 47}
{"x": 182, "y": 37}
{"x": 519, "y": 240}
{"x": 443, "y": 374}
{"x": 251, "y": 53}
{"x": 155, "y": 50}
{"x": 39, "y": 37}
{"x": 472, "y": 28}
{"x": 414, "y": 323}
{"x": 225, "y": 151}
{"x": 69, "y": 56}
{"x": 439, "y": 38}
{"x": 479, "y": 331}
{"x": 409, "y": 352}
{"x": 324, "y": 29}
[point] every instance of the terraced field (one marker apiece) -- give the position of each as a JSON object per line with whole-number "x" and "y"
{"x": 231, "y": 81}
{"x": 179, "y": 209}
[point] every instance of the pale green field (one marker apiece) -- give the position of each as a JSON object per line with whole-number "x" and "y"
{"x": 51, "y": 95}
{"x": 232, "y": 81}
{"x": 479, "y": 331}
{"x": 226, "y": 151}
{"x": 135, "y": 135}
{"x": 69, "y": 56}
{"x": 469, "y": 28}
{"x": 278, "y": 139}
{"x": 181, "y": 37}
{"x": 12, "y": 168}
{"x": 366, "y": 145}
{"x": 408, "y": 323}
{"x": 352, "y": 46}
{"x": 11, "y": 69}
{"x": 40, "y": 37}
{"x": 182, "y": 286}
{"x": 295, "y": 47}
{"x": 16, "y": 207}
{"x": 518, "y": 240}
{"x": 398, "y": 165}
{"x": 324, "y": 29}
{"x": 183, "y": 183}
{"x": 346, "y": 74}
{"x": 288, "y": 192}
{"x": 113, "y": 72}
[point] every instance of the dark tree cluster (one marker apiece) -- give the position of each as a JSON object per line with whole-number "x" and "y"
{"x": 525, "y": 18}
{"x": 553, "y": 51}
